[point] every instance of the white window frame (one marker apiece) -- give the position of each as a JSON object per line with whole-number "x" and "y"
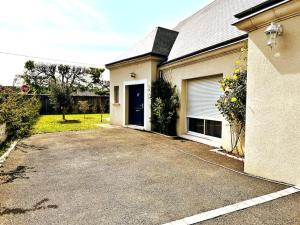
{"x": 118, "y": 100}
{"x": 212, "y": 138}
{"x": 195, "y": 134}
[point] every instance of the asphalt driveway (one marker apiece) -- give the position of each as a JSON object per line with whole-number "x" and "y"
{"x": 122, "y": 176}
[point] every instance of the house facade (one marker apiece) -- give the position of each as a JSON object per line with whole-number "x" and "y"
{"x": 201, "y": 50}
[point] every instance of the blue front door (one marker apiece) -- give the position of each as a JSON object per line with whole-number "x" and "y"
{"x": 136, "y": 104}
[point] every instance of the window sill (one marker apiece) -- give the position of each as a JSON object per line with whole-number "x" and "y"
{"x": 116, "y": 104}
{"x": 216, "y": 144}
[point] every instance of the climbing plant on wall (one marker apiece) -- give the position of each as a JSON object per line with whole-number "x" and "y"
{"x": 232, "y": 104}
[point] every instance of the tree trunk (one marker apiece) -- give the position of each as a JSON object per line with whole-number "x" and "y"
{"x": 63, "y": 115}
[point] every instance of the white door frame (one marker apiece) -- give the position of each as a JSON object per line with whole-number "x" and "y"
{"x": 147, "y": 122}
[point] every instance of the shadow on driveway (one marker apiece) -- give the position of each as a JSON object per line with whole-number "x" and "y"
{"x": 12, "y": 175}
{"x": 38, "y": 206}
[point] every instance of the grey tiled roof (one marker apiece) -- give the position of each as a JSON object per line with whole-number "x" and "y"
{"x": 158, "y": 42}
{"x": 209, "y": 26}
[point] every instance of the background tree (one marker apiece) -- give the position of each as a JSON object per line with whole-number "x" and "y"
{"x": 60, "y": 81}
{"x": 102, "y": 108}
{"x": 98, "y": 85}
{"x": 38, "y": 76}
{"x": 60, "y": 98}
{"x": 83, "y": 107}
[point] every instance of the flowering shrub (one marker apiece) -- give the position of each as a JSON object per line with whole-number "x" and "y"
{"x": 232, "y": 104}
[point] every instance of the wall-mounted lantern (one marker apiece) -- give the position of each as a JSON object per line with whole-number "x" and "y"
{"x": 132, "y": 75}
{"x": 273, "y": 31}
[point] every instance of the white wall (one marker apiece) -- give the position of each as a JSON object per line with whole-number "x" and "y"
{"x": 273, "y": 105}
{"x": 120, "y": 76}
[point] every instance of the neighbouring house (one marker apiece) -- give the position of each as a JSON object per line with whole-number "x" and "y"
{"x": 201, "y": 50}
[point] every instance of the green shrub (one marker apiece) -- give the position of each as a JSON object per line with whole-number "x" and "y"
{"x": 19, "y": 112}
{"x": 164, "y": 103}
{"x": 83, "y": 107}
{"x": 232, "y": 104}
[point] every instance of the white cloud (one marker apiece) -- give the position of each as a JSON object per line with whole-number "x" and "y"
{"x": 68, "y": 30}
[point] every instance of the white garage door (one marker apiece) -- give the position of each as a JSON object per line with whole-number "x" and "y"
{"x": 203, "y": 116}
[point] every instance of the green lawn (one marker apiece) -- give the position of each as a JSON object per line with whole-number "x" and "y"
{"x": 54, "y": 123}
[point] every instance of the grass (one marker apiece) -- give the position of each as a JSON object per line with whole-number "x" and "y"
{"x": 54, "y": 123}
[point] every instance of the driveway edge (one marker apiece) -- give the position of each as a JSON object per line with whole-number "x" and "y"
{"x": 6, "y": 154}
{"x": 208, "y": 215}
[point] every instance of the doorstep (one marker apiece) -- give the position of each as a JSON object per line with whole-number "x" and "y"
{"x": 135, "y": 127}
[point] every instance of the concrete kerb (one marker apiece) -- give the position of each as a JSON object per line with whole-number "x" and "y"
{"x": 6, "y": 154}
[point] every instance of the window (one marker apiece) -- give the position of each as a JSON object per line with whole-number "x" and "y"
{"x": 206, "y": 127}
{"x": 116, "y": 94}
{"x": 196, "y": 125}
{"x": 213, "y": 128}
{"x": 203, "y": 117}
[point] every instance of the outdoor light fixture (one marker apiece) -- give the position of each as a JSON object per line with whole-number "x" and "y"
{"x": 273, "y": 31}
{"x": 133, "y": 75}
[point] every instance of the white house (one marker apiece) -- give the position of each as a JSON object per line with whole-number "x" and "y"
{"x": 196, "y": 54}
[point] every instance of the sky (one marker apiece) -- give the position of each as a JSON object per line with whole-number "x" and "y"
{"x": 80, "y": 32}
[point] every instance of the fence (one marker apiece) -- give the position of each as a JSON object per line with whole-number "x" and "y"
{"x": 95, "y": 102}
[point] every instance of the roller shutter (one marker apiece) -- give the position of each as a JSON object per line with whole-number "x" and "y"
{"x": 202, "y": 95}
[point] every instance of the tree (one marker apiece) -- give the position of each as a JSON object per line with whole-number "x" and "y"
{"x": 102, "y": 108}
{"x": 98, "y": 85}
{"x": 83, "y": 107}
{"x": 60, "y": 98}
{"x": 38, "y": 76}
{"x": 60, "y": 81}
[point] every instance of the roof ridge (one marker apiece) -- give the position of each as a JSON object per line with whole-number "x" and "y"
{"x": 159, "y": 27}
